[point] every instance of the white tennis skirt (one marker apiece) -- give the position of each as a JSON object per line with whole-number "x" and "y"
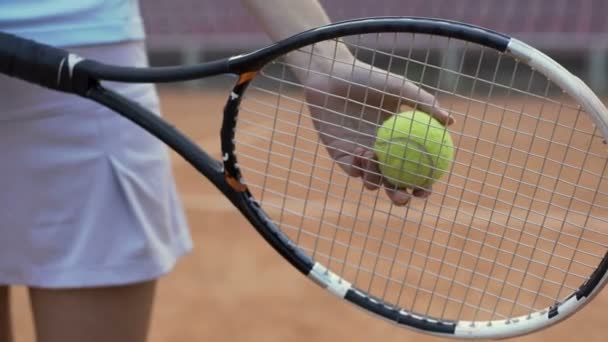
{"x": 87, "y": 198}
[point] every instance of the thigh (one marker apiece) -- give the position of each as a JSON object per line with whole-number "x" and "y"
{"x": 5, "y": 315}
{"x": 118, "y": 314}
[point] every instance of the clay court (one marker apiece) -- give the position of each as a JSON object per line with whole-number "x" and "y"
{"x": 233, "y": 287}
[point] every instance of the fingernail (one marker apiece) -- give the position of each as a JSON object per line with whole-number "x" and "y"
{"x": 421, "y": 193}
{"x": 400, "y": 203}
{"x": 451, "y": 120}
{"x": 402, "y": 199}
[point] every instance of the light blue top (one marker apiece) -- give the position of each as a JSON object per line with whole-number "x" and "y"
{"x": 72, "y": 22}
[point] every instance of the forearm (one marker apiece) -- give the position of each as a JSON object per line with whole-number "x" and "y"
{"x": 283, "y": 18}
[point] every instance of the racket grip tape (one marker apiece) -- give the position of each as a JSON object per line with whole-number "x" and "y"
{"x": 42, "y": 64}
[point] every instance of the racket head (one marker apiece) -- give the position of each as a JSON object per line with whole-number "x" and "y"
{"x": 510, "y": 241}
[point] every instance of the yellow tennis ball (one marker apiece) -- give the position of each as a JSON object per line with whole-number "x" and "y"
{"x": 413, "y": 150}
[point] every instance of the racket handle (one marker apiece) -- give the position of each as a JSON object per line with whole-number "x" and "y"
{"x": 41, "y": 64}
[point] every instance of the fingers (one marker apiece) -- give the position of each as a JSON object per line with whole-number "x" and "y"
{"x": 370, "y": 174}
{"x": 365, "y": 166}
{"x": 422, "y": 193}
{"x": 416, "y": 97}
{"x": 429, "y": 104}
{"x": 399, "y": 197}
{"x": 438, "y": 113}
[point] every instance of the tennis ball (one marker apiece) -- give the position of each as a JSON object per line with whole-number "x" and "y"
{"x": 413, "y": 150}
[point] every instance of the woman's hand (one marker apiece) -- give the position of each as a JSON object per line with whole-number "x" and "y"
{"x": 348, "y": 100}
{"x": 341, "y": 91}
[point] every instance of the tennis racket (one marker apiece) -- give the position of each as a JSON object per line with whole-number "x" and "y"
{"x": 512, "y": 239}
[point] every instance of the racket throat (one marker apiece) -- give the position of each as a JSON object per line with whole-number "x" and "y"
{"x": 232, "y": 173}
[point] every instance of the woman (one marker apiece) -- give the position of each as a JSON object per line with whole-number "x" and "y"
{"x": 89, "y": 215}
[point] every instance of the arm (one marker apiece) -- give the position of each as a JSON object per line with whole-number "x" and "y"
{"x": 359, "y": 81}
{"x": 275, "y": 18}
{"x": 279, "y": 22}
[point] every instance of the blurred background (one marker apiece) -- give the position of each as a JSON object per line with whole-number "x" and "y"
{"x": 232, "y": 287}
{"x": 574, "y": 32}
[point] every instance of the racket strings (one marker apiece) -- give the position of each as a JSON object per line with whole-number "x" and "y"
{"x": 456, "y": 112}
{"x": 287, "y": 122}
{"x": 517, "y": 223}
{"x": 546, "y": 213}
{"x": 339, "y": 228}
{"x": 432, "y": 87}
{"x": 416, "y": 297}
{"x": 261, "y": 103}
{"x": 536, "y": 238}
{"x": 380, "y": 210}
{"x": 328, "y": 158}
{"x": 535, "y": 172}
